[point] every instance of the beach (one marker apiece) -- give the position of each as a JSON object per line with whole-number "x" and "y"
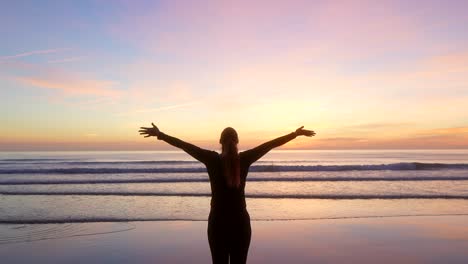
{"x": 375, "y": 206}
{"x": 429, "y": 239}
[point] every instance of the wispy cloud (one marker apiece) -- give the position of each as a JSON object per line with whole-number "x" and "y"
{"x": 340, "y": 139}
{"x": 377, "y": 28}
{"x": 440, "y": 138}
{"x": 162, "y": 108}
{"x": 451, "y": 131}
{"x": 30, "y": 53}
{"x": 166, "y": 107}
{"x": 375, "y": 126}
{"x": 65, "y": 82}
{"x": 73, "y": 85}
{"x": 71, "y": 59}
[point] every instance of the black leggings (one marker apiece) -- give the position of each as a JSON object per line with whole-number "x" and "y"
{"x": 229, "y": 237}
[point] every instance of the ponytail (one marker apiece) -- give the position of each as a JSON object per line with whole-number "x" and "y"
{"x": 230, "y": 157}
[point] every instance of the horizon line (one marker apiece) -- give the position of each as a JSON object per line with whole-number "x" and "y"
{"x": 178, "y": 150}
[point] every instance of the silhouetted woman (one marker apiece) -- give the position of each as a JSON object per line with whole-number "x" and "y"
{"x": 229, "y": 222}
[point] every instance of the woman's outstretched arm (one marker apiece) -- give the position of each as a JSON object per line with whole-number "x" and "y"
{"x": 198, "y": 153}
{"x": 256, "y": 153}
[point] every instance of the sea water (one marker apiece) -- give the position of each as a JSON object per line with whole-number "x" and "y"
{"x": 125, "y": 186}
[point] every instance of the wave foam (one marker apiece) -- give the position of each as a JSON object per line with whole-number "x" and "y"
{"x": 255, "y": 168}
{"x": 142, "y": 219}
{"x": 254, "y": 196}
{"x": 250, "y": 179}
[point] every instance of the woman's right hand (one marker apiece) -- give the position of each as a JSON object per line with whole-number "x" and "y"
{"x": 150, "y": 131}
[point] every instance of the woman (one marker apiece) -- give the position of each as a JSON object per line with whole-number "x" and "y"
{"x": 229, "y": 222}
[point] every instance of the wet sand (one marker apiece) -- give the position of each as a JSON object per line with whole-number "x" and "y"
{"x": 428, "y": 239}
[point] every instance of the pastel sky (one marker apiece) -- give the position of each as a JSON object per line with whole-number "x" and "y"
{"x": 78, "y": 75}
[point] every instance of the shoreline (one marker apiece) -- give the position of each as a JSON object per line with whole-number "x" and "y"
{"x": 397, "y": 239}
{"x": 117, "y": 220}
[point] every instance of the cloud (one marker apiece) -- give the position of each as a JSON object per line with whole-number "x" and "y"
{"x": 377, "y": 126}
{"x": 64, "y": 81}
{"x": 305, "y": 49}
{"x": 440, "y": 138}
{"x": 34, "y": 52}
{"x": 166, "y": 107}
{"x": 162, "y": 108}
{"x": 71, "y": 59}
{"x": 454, "y": 137}
{"x": 256, "y": 30}
{"x": 362, "y": 29}
{"x": 147, "y": 89}
{"x": 336, "y": 139}
{"x": 448, "y": 69}
{"x": 451, "y": 132}
{"x": 73, "y": 85}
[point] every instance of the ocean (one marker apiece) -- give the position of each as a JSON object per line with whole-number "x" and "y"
{"x": 126, "y": 186}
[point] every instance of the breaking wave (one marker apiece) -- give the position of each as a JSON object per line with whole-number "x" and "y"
{"x": 255, "y": 168}
{"x": 253, "y": 196}
{"x": 249, "y": 179}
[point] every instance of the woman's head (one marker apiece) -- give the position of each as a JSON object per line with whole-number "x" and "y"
{"x": 230, "y": 156}
{"x": 229, "y": 136}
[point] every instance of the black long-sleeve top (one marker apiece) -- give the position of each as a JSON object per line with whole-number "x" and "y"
{"x": 223, "y": 197}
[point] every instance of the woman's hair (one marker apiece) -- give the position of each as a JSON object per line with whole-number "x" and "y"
{"x": 230, "y": 156}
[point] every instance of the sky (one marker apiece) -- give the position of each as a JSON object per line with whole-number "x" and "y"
{"x": 85, "y": 75}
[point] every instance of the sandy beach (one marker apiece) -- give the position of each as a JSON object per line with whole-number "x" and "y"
{"x": 428, "y": 239}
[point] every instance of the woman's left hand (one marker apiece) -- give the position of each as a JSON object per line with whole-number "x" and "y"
{"x": 304, "y": 132}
